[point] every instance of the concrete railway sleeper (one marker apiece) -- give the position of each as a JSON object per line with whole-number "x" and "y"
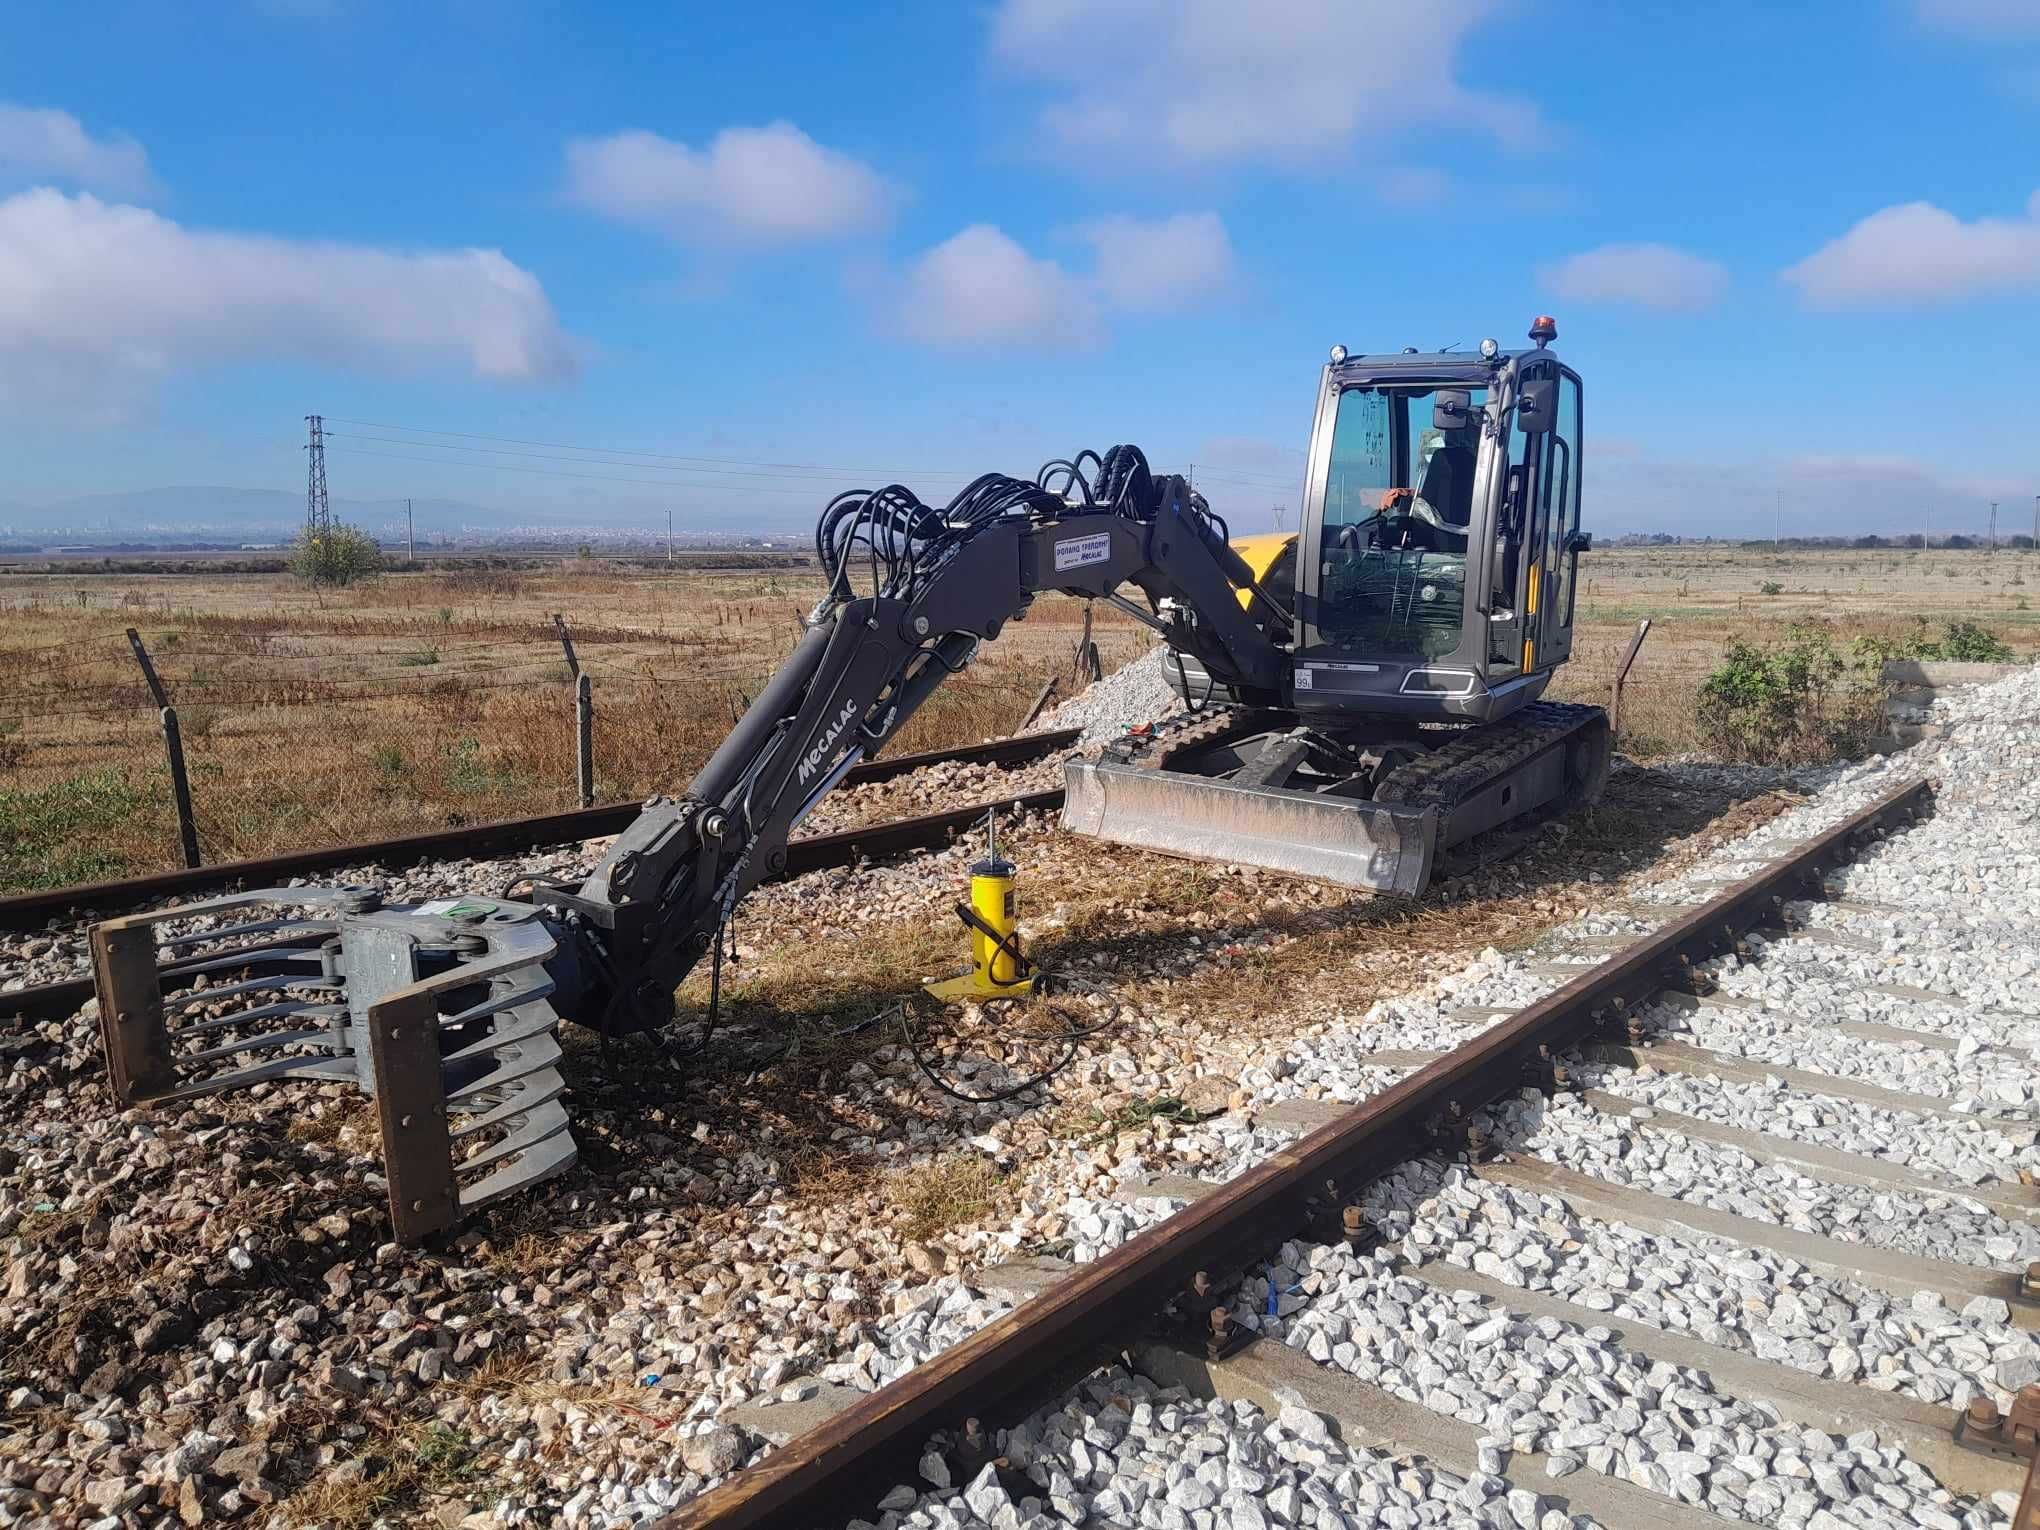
{"x": 1337, "y": 1290}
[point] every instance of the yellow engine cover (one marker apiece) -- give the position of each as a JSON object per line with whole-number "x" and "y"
{"x": 1259, "y": 553}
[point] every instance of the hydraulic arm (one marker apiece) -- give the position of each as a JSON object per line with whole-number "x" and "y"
{"x": 446, "y": 1012}
{"x": 940, "y": 581}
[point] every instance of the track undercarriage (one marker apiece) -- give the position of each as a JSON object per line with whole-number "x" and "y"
{"x": 1367, "y": 803}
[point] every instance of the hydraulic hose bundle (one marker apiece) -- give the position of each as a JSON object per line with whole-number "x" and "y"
{"x": 902, "y": 541}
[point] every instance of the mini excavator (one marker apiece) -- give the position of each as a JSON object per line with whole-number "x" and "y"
{"x": 1359, "y": 696}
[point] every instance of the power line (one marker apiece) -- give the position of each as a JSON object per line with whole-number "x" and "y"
{"x": 1250, "y": 479}
{"x": 617, "y": 451}
{"x": 829, "y": 476}
{"x": 511, "y": 467}
{"x": 734, "y": 466}
{"x": 784, "y": 495}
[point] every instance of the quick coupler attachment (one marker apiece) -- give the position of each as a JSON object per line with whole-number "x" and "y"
{"x": 439, "y": 1011}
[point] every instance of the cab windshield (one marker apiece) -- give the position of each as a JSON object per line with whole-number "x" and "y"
{"x": 1398, "y": 505}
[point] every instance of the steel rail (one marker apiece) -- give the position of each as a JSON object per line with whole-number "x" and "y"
{"x": 28, "y": 911}
{"x": 818, "y": 852}
{"x": 843, "y": 1467}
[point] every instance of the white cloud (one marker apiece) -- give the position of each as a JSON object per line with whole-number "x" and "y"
{"x": 1414, "y": 186}
{"x": 97, "y": 300}
{"x": 1646, "y": 275}
{"x": 1983, "y": 18}
{"x": 980, "y": 285}
{"x": 764, "y": 185}
{"x": 42, "y": 144}
{"x": 1155, "y": 267}
{"x": 1917, "y": 252}
{"x": 1198, "y": 82}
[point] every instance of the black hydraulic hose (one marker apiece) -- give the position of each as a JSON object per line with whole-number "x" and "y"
{"x": 1005, "y": 943}
{"x": 1073, "y": 1037}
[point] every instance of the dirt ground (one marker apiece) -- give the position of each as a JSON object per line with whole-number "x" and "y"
{"x": 434, "y": 699}
{"x": 800, "y": 1135}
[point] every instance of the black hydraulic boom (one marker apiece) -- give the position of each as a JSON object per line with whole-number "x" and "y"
{"x": 913, "y": 590}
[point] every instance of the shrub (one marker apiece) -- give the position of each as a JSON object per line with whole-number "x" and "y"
{"x": 338, "y": 556}
{"x": 468, "y": 773}
{"x": 1967, "y": 641}
{"x": 197, "y": 720}
{"x": 1770, "y": 587}
{"x": 1799, "y": 700}
{"x": 1974, "y": 644}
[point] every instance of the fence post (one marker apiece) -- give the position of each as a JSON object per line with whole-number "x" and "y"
{"x": 584, "y": 723}
{"x": 1040, "y": 700}
{"x": 567, "y": 643}
{"x": 1621, "y": 676}
{"x": 180, "y": 786}
{"x": 148, "y": 669}
{"x": 173, "y": 746}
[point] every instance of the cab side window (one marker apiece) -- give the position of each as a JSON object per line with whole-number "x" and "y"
{"x": 1562, "y": 491}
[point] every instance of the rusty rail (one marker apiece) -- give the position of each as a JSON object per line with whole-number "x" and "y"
{"x": 845, "y": 847}
{"x": 27, "y": 911}
{"x": 840, "y": 1469}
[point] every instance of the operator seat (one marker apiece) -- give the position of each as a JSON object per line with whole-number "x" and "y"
{"x": 1448, "y": 486}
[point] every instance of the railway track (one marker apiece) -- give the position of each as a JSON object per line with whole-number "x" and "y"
{"x": 1717, "y": 1210}
{"x": 76, "y": 906}
{"x": 27, "y": 911}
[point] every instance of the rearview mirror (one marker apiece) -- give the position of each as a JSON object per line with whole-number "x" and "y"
{"x": 1537, "y": 406}
{"x": 1451, "y": 409}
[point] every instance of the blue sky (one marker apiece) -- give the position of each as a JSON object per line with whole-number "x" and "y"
{"x": 1795, "y": 251}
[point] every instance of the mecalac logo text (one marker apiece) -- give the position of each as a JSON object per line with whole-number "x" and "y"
{"x": 822, "y": 751}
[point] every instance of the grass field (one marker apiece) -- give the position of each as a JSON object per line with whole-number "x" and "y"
{"x": 434, "y": 699}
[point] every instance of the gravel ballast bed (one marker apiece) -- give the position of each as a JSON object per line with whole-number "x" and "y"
{"x": 689, "y": 1270}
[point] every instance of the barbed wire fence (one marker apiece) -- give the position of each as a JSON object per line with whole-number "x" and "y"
{"x": 142, "y": 751}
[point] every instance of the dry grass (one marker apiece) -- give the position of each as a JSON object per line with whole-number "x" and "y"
{"x": 413, "y": 703}
{"x": 398, "y": 1472}
{"x": 951, "y": 1192}
{"x": 433, "y": 700}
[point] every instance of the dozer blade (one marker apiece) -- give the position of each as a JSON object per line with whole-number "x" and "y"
{"x": 1380, "y": 846}
{"x": 439, "y": 1011}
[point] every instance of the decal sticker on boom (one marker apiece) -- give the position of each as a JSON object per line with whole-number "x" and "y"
{"x": 1076, "y": 552}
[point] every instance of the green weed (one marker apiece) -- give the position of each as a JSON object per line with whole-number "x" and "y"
{"x": 56, "y": 835}
{"x": 1798, "y": 700}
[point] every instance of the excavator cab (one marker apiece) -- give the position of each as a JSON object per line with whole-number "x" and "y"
{"x": 1423, "y": 608}
{"x": 1435, "y": 568}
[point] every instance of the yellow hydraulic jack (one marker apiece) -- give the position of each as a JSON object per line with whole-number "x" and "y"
{"x": 997, "y": 967}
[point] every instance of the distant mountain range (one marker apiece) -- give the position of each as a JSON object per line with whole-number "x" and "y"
{"x": 215, "y": 513}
